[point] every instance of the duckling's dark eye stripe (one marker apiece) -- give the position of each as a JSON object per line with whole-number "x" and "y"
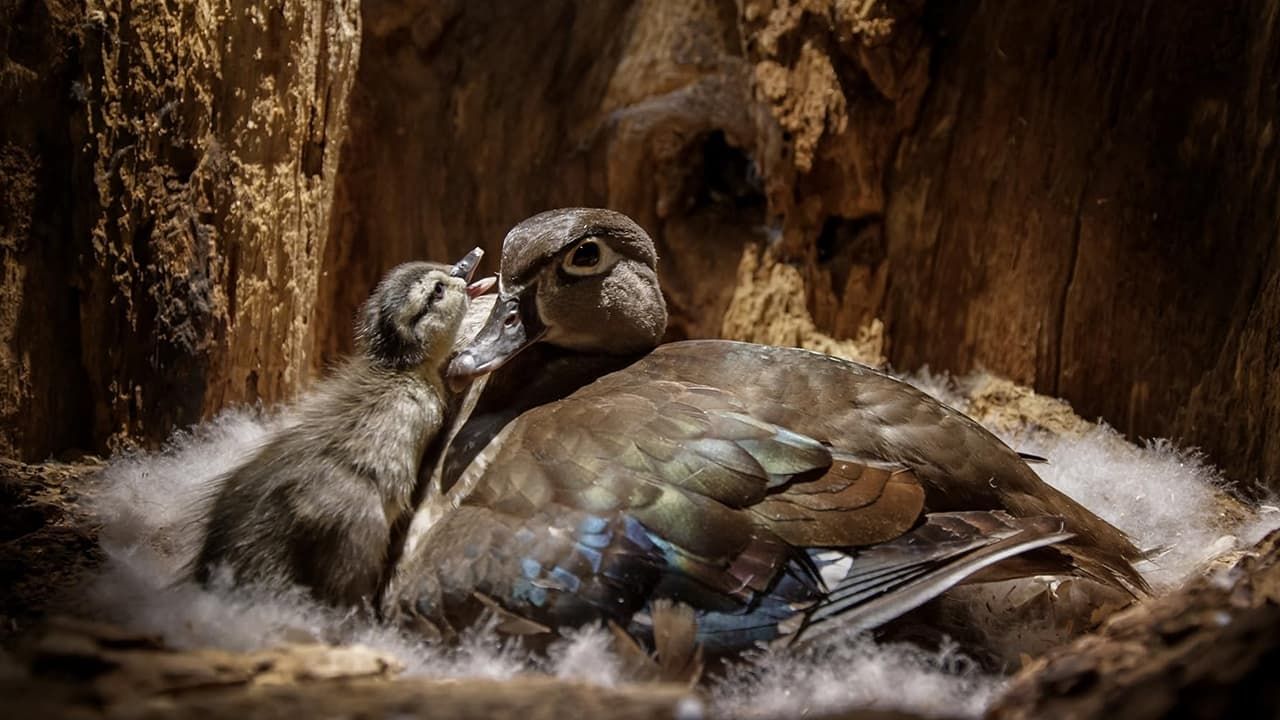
{"x": 427, "y": 307}
{"x": 389, "y": 341}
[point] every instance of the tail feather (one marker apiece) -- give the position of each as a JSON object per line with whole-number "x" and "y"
{"x": 890, "y": 579}
{"x": 1099, "y": 549}
{"x": 1107, "y": 568}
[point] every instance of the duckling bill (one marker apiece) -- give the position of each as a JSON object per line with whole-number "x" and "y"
{"x": 779, "y": 492}
{"x": 314, "y": 507}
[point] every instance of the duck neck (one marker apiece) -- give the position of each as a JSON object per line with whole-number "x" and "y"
{"x": 544, "y": 373}
{"x": 540, "y": 374}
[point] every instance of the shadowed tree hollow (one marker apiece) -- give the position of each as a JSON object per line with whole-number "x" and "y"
{"x": 1082, "y": 198}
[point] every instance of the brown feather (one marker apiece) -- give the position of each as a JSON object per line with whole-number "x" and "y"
{"x": 894, "y": 512}
{"x": 675, "y": 632}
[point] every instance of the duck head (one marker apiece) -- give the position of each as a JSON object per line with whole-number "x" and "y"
{"x": 583, "y": 279}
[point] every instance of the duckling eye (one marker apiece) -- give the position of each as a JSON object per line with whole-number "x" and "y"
{"x": 437, "y": 292}
{"x": 587, "y": 255}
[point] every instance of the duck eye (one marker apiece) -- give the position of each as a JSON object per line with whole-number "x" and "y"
{"x": 587, "y": 255}
{"x": 438, "y": 291}
{"x": 591, "y": 256}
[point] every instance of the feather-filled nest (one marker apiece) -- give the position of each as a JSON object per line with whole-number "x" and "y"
{"x": 1167, "y": 498}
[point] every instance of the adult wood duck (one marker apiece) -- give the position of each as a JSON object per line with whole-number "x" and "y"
{"x": 777, "y": 491}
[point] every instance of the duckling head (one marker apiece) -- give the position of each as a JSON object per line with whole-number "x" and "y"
{"x": 413, "y": 314}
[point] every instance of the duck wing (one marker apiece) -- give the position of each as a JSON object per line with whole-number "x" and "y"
{"x": 726, "y": 498}
{"x": 743, "y": 480}
{"x": 869, "y": 415}
{"x": 667, "y": 451}
{"x": 649, "y": 488}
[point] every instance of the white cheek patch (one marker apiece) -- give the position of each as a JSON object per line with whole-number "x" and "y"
{"x": 412, "y": 304}
{"x": 608, "y": 258}
{"x": 419, "y": 296}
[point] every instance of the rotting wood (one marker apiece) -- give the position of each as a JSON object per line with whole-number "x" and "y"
{"x": 1208, "y": 650}
{"x": 71, "y": 668}
{"x": 1082, "y": 198}
{"x": 47, "y": 543}
{"x": 168, "y": 177}
{"x": 211, "y": 130}
{"x": 39, "y": 357}
{"x": 1088, "y": 204}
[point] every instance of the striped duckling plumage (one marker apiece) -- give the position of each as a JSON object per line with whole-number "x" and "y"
{"x": 316, "y": 505}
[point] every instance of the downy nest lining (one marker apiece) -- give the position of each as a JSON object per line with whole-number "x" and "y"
{"x": 1164, "y": 497}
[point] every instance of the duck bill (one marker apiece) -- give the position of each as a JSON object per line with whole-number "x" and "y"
{"x": 466, "y": 267}
{"x": 511, "y": 327}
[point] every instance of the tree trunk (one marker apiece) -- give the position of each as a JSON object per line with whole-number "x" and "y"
{"x": 173, "y": 174}
{"x": 1089, "y": 203}
{"x": 1082, "y": 198}
{"x": 44, "y": 403}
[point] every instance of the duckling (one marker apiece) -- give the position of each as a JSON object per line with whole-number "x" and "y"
{"x": 780, "y": 493}
{"x": 315, "y": 506}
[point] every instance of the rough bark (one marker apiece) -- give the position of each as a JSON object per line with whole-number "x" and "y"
{"x": 172, "y": 168}
{"x": 1082, "y": 198}
{"x": 42, "y": 406}
{"x": 213, "y": 129}
{"x": 965, "y": 171}
{"x": 1089, "y": 203}
{"x": 73, "y": 669}
{"x": 1210, "y": 650}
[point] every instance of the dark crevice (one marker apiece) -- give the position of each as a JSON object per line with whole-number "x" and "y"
{"x": 233, "y": 272}
{"x": 846, "y": 243}
{"x": 83, "y": 401}
{"x": 313, "y": 157}
{"x": 851, "y": 238}
{"x": 184, "y": 157}
{"x": 19, "y": 517}
{"x": 729, "y": 177}
{"x": 1055, "y": 381}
